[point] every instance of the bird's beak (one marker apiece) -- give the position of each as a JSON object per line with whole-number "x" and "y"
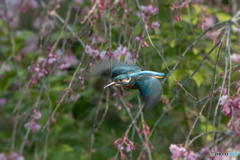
{"x": 110, "y": 84}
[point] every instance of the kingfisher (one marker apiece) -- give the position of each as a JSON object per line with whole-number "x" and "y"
{"x": 131, "y": 76}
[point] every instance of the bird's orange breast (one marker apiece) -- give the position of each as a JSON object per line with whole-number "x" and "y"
{"x": 129, "y": 86}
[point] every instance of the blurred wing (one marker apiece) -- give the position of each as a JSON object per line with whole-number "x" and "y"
{"x": 150, "y": 90}
{"x": 102, "y": 68}
{"x": 113, "y": 68}
{"x": 124, "y": 68}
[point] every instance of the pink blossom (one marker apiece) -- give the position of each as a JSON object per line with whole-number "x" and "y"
{"x": 15, "y": 156}
{"x": 67, "y": 61}
{"x": 102, "y": 55}
{"x": 91, "y": 52}
{"x": 81, "y": 79}
{"x": 102, "y": 4}
{"x": 5, "y": 68}
{"x": 224, "y": 91}
{"x": 236, "y": 126}
{"x": 177, "y": 17}
{"x": 236, "y": 102}
{"x": 226, "y": 108}
{"x": 142, "y": 42}
{"x": 116, "y": 54}
{"x": 40, "y": 68}
{"x": 36, "y": 114}
{"x": 142, "y": 16}
{"x": 3, "y": 156}
{"x": 212, "y": 35}
{"x": 52, "y": 58}
{"x": 40, "y": 72}
{"x": 177, "y": 152}
{"x": 177, "y": 6}
{"x": 207, "y": 22}
{"x": 124, "y": 144}
{"x": 237, "y": 30}
{"x": 237, "y": 113}
{"x": 118, "y": 106}
{"x": 191, "y": 156}
{"x": 154, "y": 25}
{"x": 33, "y": 126}
{"x": 138, "y": 38}
{"x": 235, "y": 57}
{"x": 237, "y": 146}
{"x": 2, "y": 102}
{"x": 205, "y": 151}
{"x": 120, "y": 51}
{"x": 150, "y": 9}
{"x": 223, "y": 99}
{"x": 129, "y": 58}
{"x": 145, "y": 130}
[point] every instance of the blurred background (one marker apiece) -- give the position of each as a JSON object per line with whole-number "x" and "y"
{"x": 51, "y": 108}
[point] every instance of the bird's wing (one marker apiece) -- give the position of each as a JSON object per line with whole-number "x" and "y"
{"x": 150, "y": 90}
{"x": 113, "y": 68}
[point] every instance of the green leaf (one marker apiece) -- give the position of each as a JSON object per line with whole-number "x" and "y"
{"x": 137, "y": 30}
{"x": 198, "y": 78}
{"x": 197, "y": 8}
{"x": 172, "y": 43}
{"x": 65, "y": 148}
{"x": 223, "y": 16}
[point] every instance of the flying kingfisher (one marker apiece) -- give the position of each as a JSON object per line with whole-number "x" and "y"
{"x": 132, "y": 77}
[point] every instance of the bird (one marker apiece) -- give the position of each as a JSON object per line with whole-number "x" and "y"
{"x": 131, "y": 76}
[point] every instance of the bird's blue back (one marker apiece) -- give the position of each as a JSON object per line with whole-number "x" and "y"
{"x": 150, "y": 90}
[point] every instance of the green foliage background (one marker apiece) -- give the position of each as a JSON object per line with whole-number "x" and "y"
{"x": 81, "y": 130}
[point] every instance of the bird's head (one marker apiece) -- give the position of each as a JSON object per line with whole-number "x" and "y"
{"x": 122, "y": 79}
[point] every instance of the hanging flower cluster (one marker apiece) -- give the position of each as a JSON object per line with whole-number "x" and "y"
{"x": 33, "y": 124}
{"x": 206, "y": 22}
{"x": 11, "y": 156}
{"x": 145, "y": 130}
{"x": 235, "y": 57}
{"x": 124, "y": 145}
{"x": 141, "y": 41}
{"x": 176, "y": 7}
{"x": 41, "y": 67}
{"x": 179, "y": 152}
{"x": 145, "y": 15}
{"x": 120, "y": 52}
{"x": 67, "y": 61}
{"x": 230, "y": 107}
